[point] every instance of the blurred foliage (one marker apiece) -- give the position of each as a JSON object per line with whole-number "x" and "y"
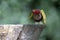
{"x": 18, "y": 11}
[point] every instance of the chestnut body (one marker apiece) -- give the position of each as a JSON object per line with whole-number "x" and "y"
{"x": 37, "y": 15}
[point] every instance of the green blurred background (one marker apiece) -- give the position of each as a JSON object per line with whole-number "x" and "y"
{"x": 18, "y": 12}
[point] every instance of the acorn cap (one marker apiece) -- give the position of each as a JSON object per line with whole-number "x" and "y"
{"x": 36, "y": 11}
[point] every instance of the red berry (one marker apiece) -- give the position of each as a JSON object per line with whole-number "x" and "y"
{"x": 36, "y": 11}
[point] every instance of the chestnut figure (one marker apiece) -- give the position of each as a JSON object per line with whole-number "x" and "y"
{"x": 38, "y": 16}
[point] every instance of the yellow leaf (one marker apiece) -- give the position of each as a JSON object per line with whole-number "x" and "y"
{"x": 44, "y": 16}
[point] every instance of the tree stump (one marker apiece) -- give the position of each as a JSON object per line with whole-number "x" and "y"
{"x": 31, "y": 32}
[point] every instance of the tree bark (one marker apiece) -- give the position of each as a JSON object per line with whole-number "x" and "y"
{"x": 31, "y": 32}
